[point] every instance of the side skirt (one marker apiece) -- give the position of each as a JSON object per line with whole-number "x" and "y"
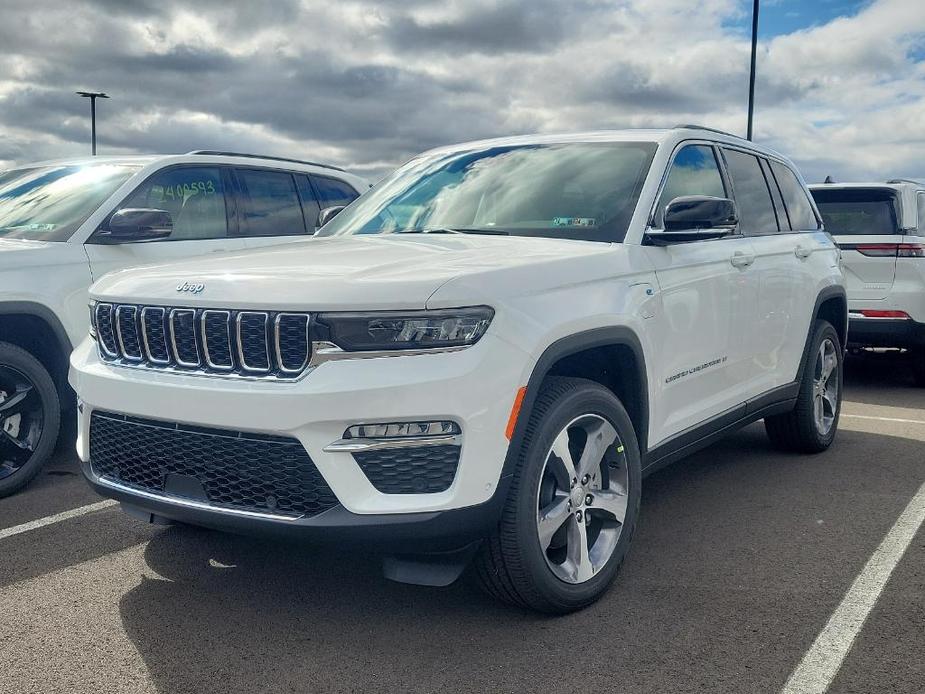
{"x": 776, "y": 401}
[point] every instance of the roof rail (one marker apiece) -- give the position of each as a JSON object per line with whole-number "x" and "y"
{"x": 263, "y": 156}
{"x": 692, "y": 126}
{"x": 894, "y": 181}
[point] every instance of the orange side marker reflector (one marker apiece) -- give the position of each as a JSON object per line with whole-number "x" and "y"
{"x": 515, "y": 412}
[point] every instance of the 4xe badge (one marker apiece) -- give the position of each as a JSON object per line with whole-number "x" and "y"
{"x": 191, "y": 287}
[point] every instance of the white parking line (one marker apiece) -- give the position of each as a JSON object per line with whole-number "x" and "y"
{"x": 884, "y": 419}
{"x": 57, "y": 518}
{"x": 824, "y": 658}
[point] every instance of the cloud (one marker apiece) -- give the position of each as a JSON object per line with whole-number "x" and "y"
{"x": 368, "y": 83}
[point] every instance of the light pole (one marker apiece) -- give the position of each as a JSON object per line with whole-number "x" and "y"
{"x": 751, "y": 76}
{"x": 93, "y": 96}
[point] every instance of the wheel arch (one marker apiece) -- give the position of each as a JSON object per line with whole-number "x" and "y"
{"x": 36, "y": 329}
{"x": 612, "y": 356}
{"x": 832, "y": 306}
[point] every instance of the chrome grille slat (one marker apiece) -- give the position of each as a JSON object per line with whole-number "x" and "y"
{"x": 105, "y": 331}
{"x": 219, "y": 357}
{"x": 210, "y": 341}
{"x": 127, "y": 332}
{"x": 253, "y": 352}
{"x": 183, "y": 340}
{"x": 154, "y": 335}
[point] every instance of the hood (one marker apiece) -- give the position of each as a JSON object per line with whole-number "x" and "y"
{"x": 15, "y": 253}
{"x": 336, "y": 273}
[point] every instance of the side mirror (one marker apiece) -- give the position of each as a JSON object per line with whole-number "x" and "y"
{"x": 696, "y": 218}
{"x": 134, "y": 225}
{"x": 328, "y": 213}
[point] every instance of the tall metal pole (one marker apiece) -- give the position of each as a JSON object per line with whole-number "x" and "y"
{"x": 751, "y": 76}
{"x": 93, "y": 97}
{"x": 93, "y": 126}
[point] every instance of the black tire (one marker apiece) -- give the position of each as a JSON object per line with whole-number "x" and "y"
{"x": 21, "y": 460}
{"x": 511, "y": 565}
{"x": 797, "y": 431}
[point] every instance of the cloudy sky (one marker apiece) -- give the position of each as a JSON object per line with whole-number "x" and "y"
{"x": 366, "y": 83}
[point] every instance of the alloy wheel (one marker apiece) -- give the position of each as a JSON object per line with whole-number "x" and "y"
{"x": 825, "y": 387}
{"x": 582, "y": 498}
{"x": 21, "y": 420}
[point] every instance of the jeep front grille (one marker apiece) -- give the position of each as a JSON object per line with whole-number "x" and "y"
{"x": 219, "y": 342}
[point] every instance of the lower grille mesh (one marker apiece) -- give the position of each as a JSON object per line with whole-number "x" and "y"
{"x": 424, "y": 470}
{"x": 236, "y": 470}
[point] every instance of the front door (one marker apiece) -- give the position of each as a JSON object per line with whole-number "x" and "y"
{"x": 197, "y": 199}
{"x": 708, "y": 303}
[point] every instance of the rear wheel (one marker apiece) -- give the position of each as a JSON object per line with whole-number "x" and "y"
{"x": 573, "y": 504}
{"x": 810, "y": 427}
{"x": 30, "y": 415}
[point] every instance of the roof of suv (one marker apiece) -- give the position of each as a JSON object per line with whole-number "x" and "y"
{"x": 658, "y": 135}
{"x": 195, "y": 155}
{"x": 894, "y": 183}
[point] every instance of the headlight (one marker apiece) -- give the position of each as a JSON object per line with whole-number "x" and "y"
{"x": 93, "y": 319}
{"x": 356, "y": 332}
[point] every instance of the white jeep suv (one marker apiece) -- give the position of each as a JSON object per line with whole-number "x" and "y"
{"x": 880, "y": 228}
{"x": 64, "y": 224}
{"x": 481, "y": 357}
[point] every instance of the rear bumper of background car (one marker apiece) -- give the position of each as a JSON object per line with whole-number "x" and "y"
{"x": 885, "y": 332}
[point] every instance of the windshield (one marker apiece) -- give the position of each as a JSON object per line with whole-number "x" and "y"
{"x": 857, "y": 211}
{"x": 49, "y": 203}
{"x": 582, "y": 191}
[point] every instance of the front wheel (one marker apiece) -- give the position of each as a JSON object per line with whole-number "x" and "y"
{"x": 30, "y": 415}
{"x": 810, "y": 427}
{"x": 573, "y": 503}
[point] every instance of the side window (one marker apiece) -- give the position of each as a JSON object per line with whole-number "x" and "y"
{"x": 333, "y": 192}
{"x": 921, "y": 205}
{"x": 194, "y": 197}
{"x": 694, "y": 171}
{"x": 271, "y": 204}
{"x": 310, "y": 206}
{"x": 783, "y": 221}
{"x": 799, "y": 208}
{"x": 753, "y": 198}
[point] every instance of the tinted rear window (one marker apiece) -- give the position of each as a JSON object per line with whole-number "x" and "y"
{"x": 857, "y": 211}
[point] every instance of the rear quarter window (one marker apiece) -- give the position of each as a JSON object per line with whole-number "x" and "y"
{"x": 799, "y": 209}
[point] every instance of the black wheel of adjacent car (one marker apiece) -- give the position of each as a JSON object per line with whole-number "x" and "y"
{"x": 573, "y": 503}
{"x": 811, "y": 426}
{"x": 30, "y": 416}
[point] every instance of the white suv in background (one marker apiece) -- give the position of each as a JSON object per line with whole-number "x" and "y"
{"x": 481, "y": 357}
{"x": 880, "y": 228}
{"x": 64, "y": 224}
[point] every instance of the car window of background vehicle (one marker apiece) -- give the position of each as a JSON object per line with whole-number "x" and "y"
{"x": 194, "y": 197}
{"x": 271, "y": 204}
{"x": 49, "y": 203}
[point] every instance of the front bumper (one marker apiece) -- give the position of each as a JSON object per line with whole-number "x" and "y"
{"x": 475, "y": 388}
{"x": 885, "y": 332}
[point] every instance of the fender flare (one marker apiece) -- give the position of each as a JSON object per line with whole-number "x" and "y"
{"x": 826, "y": 293}
{"x": 42, "y": 312}
{"x": 564, "y": 347}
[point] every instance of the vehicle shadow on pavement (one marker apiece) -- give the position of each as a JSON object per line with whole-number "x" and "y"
{"x": 883, "y": 378}
{"x": 741, "y": 554}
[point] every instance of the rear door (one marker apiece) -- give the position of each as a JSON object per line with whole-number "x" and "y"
{"x": 274, "y": 206}
{"x": 865, "y": 225}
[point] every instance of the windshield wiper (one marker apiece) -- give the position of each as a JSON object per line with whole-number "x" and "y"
{"x": 454, "y": 230}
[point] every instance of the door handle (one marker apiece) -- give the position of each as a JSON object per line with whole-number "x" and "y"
{"x": 742, "y": 260}
{"x": 801, "y": 252}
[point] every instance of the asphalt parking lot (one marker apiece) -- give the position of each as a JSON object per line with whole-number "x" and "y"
{"x": 742, "y": 556}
